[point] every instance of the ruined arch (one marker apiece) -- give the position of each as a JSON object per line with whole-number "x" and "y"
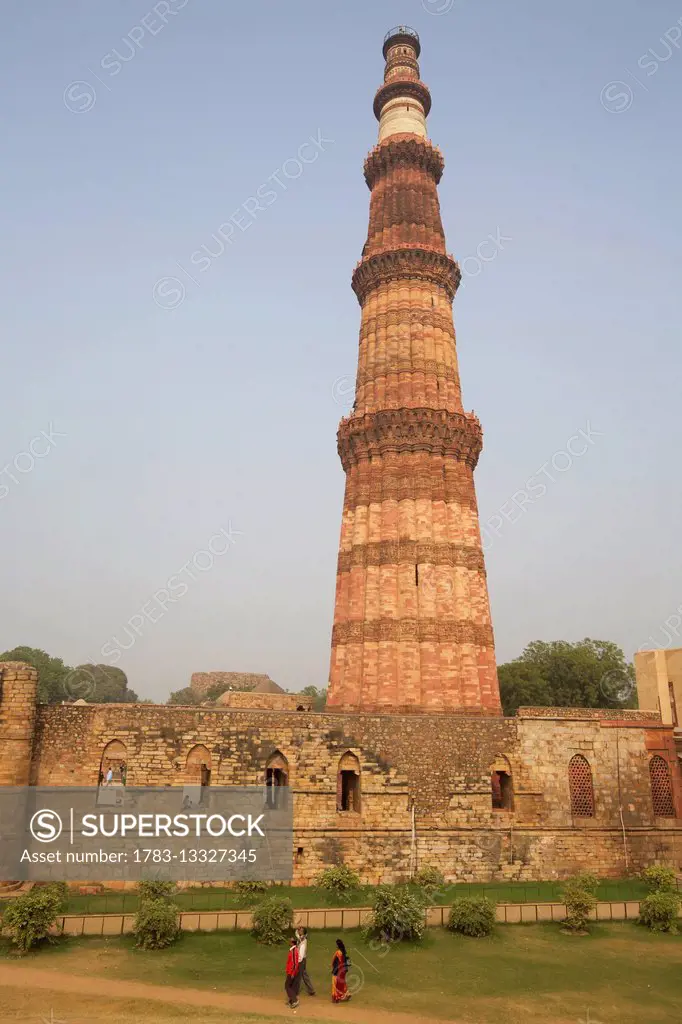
{"x": 580, "y": 787}
{"x": 348, "y": 795}
{"x": 198, "y": 766}
{"x": 115, "y": 760}
{"x": 501, "y": 784}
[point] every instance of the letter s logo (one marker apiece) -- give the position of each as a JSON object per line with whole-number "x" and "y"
{"x": 46, "y": 826}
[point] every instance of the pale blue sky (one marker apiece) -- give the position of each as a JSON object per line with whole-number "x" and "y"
{"x": 224, "y": 410}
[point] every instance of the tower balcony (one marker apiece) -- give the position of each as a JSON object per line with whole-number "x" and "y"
{"x": 401, "y": 34}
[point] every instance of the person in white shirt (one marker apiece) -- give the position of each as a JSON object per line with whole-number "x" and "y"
{"x": 302, "y": 956}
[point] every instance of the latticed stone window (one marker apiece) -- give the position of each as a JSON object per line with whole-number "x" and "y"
{"x": 661, "y": 788}
{"x": 580, "y": 785}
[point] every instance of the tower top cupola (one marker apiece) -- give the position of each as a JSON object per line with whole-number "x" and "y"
{"x": 402, "y": 35}
{"x": 403, "y": 102}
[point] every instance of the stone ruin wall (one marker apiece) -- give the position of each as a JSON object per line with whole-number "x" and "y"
{"x": 265, "y": 701}
{"x": 202, "y": 682}
{"x": 441, "y": 762}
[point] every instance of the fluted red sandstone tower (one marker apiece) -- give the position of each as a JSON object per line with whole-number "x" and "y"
{"x": 412, "y": 626}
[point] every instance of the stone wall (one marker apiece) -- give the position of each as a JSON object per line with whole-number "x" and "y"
{"x": 440, "y": 763}
{"x": 202, "y": 682}
{"x": 18, "y": 694}
{"x": 264, "y": 701}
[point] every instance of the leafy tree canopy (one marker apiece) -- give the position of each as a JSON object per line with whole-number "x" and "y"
{"x": 319, "y": 697}
{"x": 585, "y": 674}
{"x": 100, "y": 684}
{"x": 185, "y": 696}
{"x": 57, "y": 682}
{"x": 52, "y": 672}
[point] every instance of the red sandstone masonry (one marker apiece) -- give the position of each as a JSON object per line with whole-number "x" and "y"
{"x": 412, "y": 624}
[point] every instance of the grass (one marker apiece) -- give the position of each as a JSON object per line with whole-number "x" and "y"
{"x": 304, "y": 897}
{"x": 534, "y": 973}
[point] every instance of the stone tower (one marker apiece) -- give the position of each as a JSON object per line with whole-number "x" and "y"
{"x": 18, "y": 700}
{"x": 412, "y": 629}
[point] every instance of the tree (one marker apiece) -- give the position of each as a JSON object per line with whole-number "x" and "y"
{"x": 52, "y": 672}
{"x": 586, "y": 674}
{"x": 319, "y": 697}
{"x": 100, "y": 684}
{"x": 186, "y": 696}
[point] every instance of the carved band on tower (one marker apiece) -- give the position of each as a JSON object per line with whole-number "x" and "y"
{"x": 412, "y": 629}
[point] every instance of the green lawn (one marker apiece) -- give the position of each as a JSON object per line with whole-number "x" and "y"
{"x": 534, "y": 973}
{"x": 302, "y": 897}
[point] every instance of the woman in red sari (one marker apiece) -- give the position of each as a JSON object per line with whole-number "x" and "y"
{"x": 340, "y": 965}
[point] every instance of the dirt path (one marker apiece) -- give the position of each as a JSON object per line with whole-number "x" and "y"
{"x": 313, "y": 1009}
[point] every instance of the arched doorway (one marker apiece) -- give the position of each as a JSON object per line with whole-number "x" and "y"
{"x": 276, "y": 779}
{"x": 113, "y": 766}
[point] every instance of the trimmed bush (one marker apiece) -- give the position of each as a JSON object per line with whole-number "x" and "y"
{"x": 273, "y": 920}
{"x": 472, "y": 915}
{"x": 580, "y": 899}
{"x": 156, "y": 923}
{"x": 29, "y": 918}
{"x": 397, "y": 914}
{"x": 155, "y": 890}
{"x": 659, "y": 878}
{"x": 429, "y": 879}
{"x": 340, "y": 880}
{"x": 590, "y": 883}
{"x": 250, "y": 891}
{"x": 659, "y": 911}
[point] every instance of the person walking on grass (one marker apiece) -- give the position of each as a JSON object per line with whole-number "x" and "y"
{"x": 302, "y": 934}
{"x": 340, "y": 965}
{"x": 292, "y": 982}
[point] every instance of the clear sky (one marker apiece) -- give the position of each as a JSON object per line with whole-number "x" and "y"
{"x": 129, "y": 136}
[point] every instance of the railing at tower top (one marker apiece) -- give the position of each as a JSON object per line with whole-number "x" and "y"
{"x": 401, "y": 30}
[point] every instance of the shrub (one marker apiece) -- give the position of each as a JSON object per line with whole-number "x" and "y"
{"x": 580, "y": 899}
{"x": 589, "y": 883}
{"x": 341, "y": 880}
{"x": 659, "y": 911}
{"x": 397, "y": 914}
{"x": 273, "y": 920}
{"x": 429, "y": 879}
{"x": 155, "y": 890}
{"x": 156, "y": 923}
{"x": 250, "y": 891}
{"x": 472, "y": 915}
{"x": 29, "y": 918}
{"x": 659, "y": 878}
